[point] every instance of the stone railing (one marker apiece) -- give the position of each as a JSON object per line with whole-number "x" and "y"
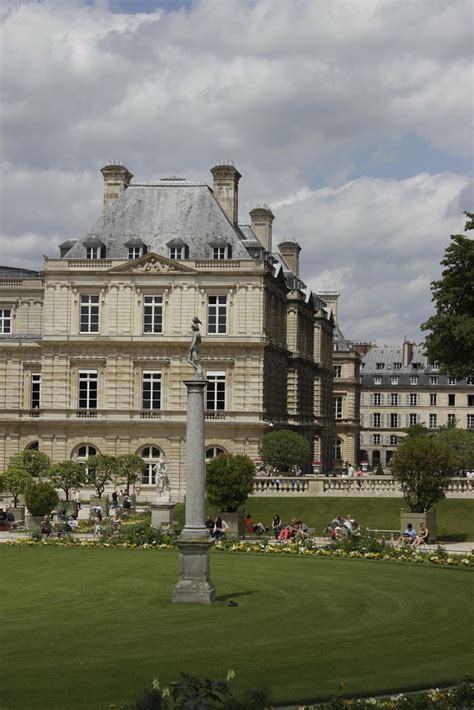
{"x": 89, "y": 263}
{"x": 282, "y": 485}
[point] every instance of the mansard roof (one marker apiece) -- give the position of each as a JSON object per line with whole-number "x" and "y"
{"x": 159, "y": 212}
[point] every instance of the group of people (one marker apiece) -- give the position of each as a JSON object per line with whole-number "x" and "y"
{"x": 66, "y": 525}
{"x": 217, "y": 526}
{"x": 340, "y": 527}
{"x": 412, "y": 538}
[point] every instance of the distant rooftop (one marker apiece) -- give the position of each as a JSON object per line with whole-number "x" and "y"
{"x": 17, "y": 272}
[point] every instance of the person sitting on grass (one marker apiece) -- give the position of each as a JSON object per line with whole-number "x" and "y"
{"x": 288, "y": 532}
{"x": 407, "y": 537}
{"x": 301, "y": 530}
{"x": 422, "y": 537}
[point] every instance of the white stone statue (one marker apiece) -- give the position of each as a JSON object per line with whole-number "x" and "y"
{"x": 193, "y": 354}
{"x": 163, "y": 486}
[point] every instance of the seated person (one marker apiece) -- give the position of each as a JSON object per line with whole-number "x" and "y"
{"x": 220, "y": 528}
{"x": 46, "y": 528}
{"x": 252, "y": 527}
{"x": 71, "y": 524}
{"x": 407, "y": 537}
{"x": 355, "y": 531}
{"x": 127, "y": 504}
{"x": 348, "y": 522}
{"x": 3, "y": 516}
{"x": 276, "y": 525}
{"x": 301, "y": 530}
{"x": 209, "y": 523}
{"x": 422, "y": 537}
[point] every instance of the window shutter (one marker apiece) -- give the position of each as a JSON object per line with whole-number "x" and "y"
{"x": 362, "y": 420}
{"x": 145, "y": 249}
{"x": 382, "y": 399}
{"x": 102, "y": 252}
{"x": 371, "y": 421}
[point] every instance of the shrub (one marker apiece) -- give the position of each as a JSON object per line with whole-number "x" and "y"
{"x": 41, "y": 498}
{"x": 284, "y": 449}
{"x": 229, "y": 481}
{"x": 142, "y": 533}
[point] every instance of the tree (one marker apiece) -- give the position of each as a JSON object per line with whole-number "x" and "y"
{"x": 16, "y": 482}
{"x": 130, "y": 468}
{"x": 36, "y": 463}
{"x": 450, "y": 339}
{"x": 229, "y": 481}
{"x": 461, "y": 443}
{"x": 101, "y": 469}
{"x": 67, "y": 475}
{"x": 41, "y": 498}
{"x": 284, "y": 449}
{"x": 423, "y": 465}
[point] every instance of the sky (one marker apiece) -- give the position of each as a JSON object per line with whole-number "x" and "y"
{"x": 351, "y": 119}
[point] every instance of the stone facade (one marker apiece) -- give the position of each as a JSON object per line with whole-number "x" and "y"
{"x": 93, "y": 349}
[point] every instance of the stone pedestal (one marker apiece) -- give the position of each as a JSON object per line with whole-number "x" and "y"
{"x": 162, "y": 514}
{"x": 194, "y": 584}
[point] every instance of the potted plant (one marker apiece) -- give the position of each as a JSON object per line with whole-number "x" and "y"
{"x": 229, "y": 481}
{"x": 40, "y": 498}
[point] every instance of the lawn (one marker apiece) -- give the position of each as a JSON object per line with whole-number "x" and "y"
{"x": 86, "y": 628}
{"x": 455, "y": 517}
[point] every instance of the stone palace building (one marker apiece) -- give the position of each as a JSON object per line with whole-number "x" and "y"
{"x": 93, "y": 348}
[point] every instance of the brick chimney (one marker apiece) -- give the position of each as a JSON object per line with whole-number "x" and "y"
{"x": 290, "y": 251}
{"x": 262, "y": 218}
{"x": 116, "y": 180}
{"x": 226, "y": 189}
{"x": 407, "y": 352}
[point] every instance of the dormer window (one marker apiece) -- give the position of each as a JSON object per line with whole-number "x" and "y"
{"x": 135, "y": 252}
{"x": 397, "y": 365}
{"x": 136, "y": 248}
{"x": 380, "y": 365}
{"x": 95, "y": 249}
{"x": 220, "y": 252}
{"x": 93, "y": 253}
{"x": 177, "y": 249}
{"x": 220, "y": 249}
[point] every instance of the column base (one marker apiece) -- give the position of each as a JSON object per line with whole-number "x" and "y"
{"x": 194, "y": 585}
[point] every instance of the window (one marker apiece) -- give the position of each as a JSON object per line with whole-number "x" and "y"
{"x": 220, "y": 252}
{"x": 452, "y": 380}
{"x": 376, "y": 439}
{"x": 35, "y": 390}
{"x": 451, "y": 420}
{"x": 393, "y": 440}
{"x": 135, "y": 252}
{"x": 416, "y": 365}
{"x": 337, "y": 371}
{"x": 433, "y": 421}
{"x": 413, "y": 419}
{"x": 151, "y": 390}
{"x": 470, "y": 421}
{"x": 32, "y": 446}
{"x": 83, "y": 453}
{"x": 394, "y": 399}
{"x": 397, "y": 365}
{"x": 433, "y": 398}
{"x": 177, "y": 252}
{"x": 213, "y": 452}
{"x": 377, "y": 399}
{"x": 87, "y": 389}
{"x": 150, "y": 455}
{"x": 413, "y": 400}
{"x": 470, "y": 400}
{"x": 377, "y": 380}
{"x": 394, "y": 380}
{"x": 89, "y": 314}
{"x": 337, "y": 449}
{"x": 215, "y": 391}
{"x": 380, "y": 365}
{"x": 377, "y": 420}
{"x": 217, "y": 315}
{"x": 337, "y": 403}
{"x": 394, "y": 421}
{"x": 435, "y": 366}
{"x": 452, "y": 400}
{"x": 434, "y": 379}
{"x": 413, "y": 380}
{"x": 153, "y": 314}
{"x": 93, "y": 252}
{"x": 470, "y": 380}
{"x": 5, "y": 321}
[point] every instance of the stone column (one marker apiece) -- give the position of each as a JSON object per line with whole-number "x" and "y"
{"x": 194, "y": 584}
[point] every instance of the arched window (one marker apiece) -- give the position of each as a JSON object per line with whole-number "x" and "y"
{"x": 84, "y": 451}
{"x": 32, "y": 446}
{"x": 375, "y": 458}
{"x": 337, "y": 449}
{"x": 213, "y": 452}
{"x": 150, "y": 455}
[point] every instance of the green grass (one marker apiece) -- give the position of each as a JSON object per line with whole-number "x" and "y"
{"x": 86, "y": 628}
{"x": 455, "y": 518}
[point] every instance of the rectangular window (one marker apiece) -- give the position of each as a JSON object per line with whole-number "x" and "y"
{"x": 176, "y": 252}
{"x": 397, "y": 365}
{"x": 433, "y": 398}
{"x": 377, "y": 420}
{"x": 413, "y": 419}
{"x": 219, "y": 253}
{"x": 88, "y": 389}
{"x": 413, "y": 400}
{"x": 394, "y": 399}
{"x": 413, "y": 380}
{"x": 89, "y": 314}
{"x": 377, "y": 380}
{"x": 377, "y": 399}
{"x": 376, "y": 439}
{"x": 470, "y": 380}
{"x": 452, "y": 380}
{"x": 434, "y": 379}
{"x": 217, "y": 315}
{"x": 35, "y": 390}
{"x": 134, "y": 252}
{"x": 394, "y": 421}
{"x": 470, "y": 421}
{"x": 215, "y": 391}
{"x": 151, "y": 390}
{"x": 393, "y": 440}
{"x": 452, "y": 400}
{"x": 394, "y": 380}
{"x": 470, "y": 400}
{"x": 5, "y": 321}
{"x": 337, "y": 401}
{"x": 337, "y": 371}
{"x": 451, "y": 420}
{"x": 433, "y": 421}
{"x": 380, "y": 365}
{"x": 153, "y": 314}
{"x": 92, "y": 252}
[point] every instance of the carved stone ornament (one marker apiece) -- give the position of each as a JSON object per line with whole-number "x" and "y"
{"x": 151, "y": 263}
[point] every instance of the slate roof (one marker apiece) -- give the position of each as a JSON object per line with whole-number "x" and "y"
{"x": 391, "y": 357}
{"x": 159, "y": 212}
{"x": 17, "y": 272}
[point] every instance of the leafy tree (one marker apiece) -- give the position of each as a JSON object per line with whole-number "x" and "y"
{"x": 67, "y": 475}
{"x": 16, "y": 481}
{"x": 41, "y": 498}
{"x": 229, "y": 481}
{"x": 461, "y": 443}
{"x": 417, "y": 430}
{"x": 450, "y": 339}
{"x": 101, "y": 469}
{"x": 36, "y": 463}
{"x": 284, "y": 449}
{"x": 130, "y": 468}
{"x": 423, "y": 465}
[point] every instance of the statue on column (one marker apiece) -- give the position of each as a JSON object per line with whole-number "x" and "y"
{"x": 163, "y": 486}
{"x": 193, "y": 354}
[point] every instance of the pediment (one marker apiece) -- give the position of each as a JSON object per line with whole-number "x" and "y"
{"x": 153, "y": 264}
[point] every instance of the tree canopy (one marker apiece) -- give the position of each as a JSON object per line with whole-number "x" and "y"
{"x": 130, "y": 468}
{"x": 36, "y": 463}
{"x": 284, "y": 449}
{"x": 229, "y": 481}
{"x": 67, "y": 475}
{"x": 16, "y": 481}
{"x": 101, "y": 469}
{"x": 450, "y": 339}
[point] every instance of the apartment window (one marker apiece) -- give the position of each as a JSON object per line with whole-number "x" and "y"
{"x": 393, "y": 440}
{"x": 452, "y": 380}
{"x": 35, "y": 390}
{"x": 433, "y": 421}
{"x": 177, "y": 252}
{"x": 394, "y": 380}
{"x": 413, "y": 400}
{"x": 220, "y": 252}
{"x": 376, "y": 439}
{"x": 135, "y": 252}
{"x": 433, "y": 398}
{"x": 153, "y": 314}
{"x": 394, "y": 421}
{"x": 470, "y": 400}
{"x": 451, "y": 420}
{"x": 470, "y": 380}
{"x": 394, "y": 399}
{"x": 377, "y": 399}
{"x": 470, "y": 421}
{"x": 337, "y": 401}
{"x": 5, "y": 321}
{"x": 413, "y": 380}
{"x": 412, "y": 419}
{"x": 377, "y": 420}
{"x": 89, "y": 318}
{"x": 380, "y": 365}
{"x": 397, "y": 365}
{"x": 452, "y": 400}
{"x": 337, "y": 371}
{"x": 217, "y": 315}
{"x": 151, "y": 390}
{"x": 434, "y": 379}
{"x": 377, "y": 380}
{"x": 150, "y": 455}
{"x": 88, "y": 389}
{"x": 215, "y": 391}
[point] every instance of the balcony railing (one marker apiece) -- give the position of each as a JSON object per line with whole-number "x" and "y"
{"x": 86, "y": 413}
{"x": 150, "y": 414}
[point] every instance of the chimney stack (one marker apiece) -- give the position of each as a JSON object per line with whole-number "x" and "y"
{"x": 116, "y": 180}
{"x": 407, "y": 352}
{"x": 290, "y": 251}
{"x": 226, "y": 189}
{"x": 262, "y": 218}
{"x": 330, "y": 299}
